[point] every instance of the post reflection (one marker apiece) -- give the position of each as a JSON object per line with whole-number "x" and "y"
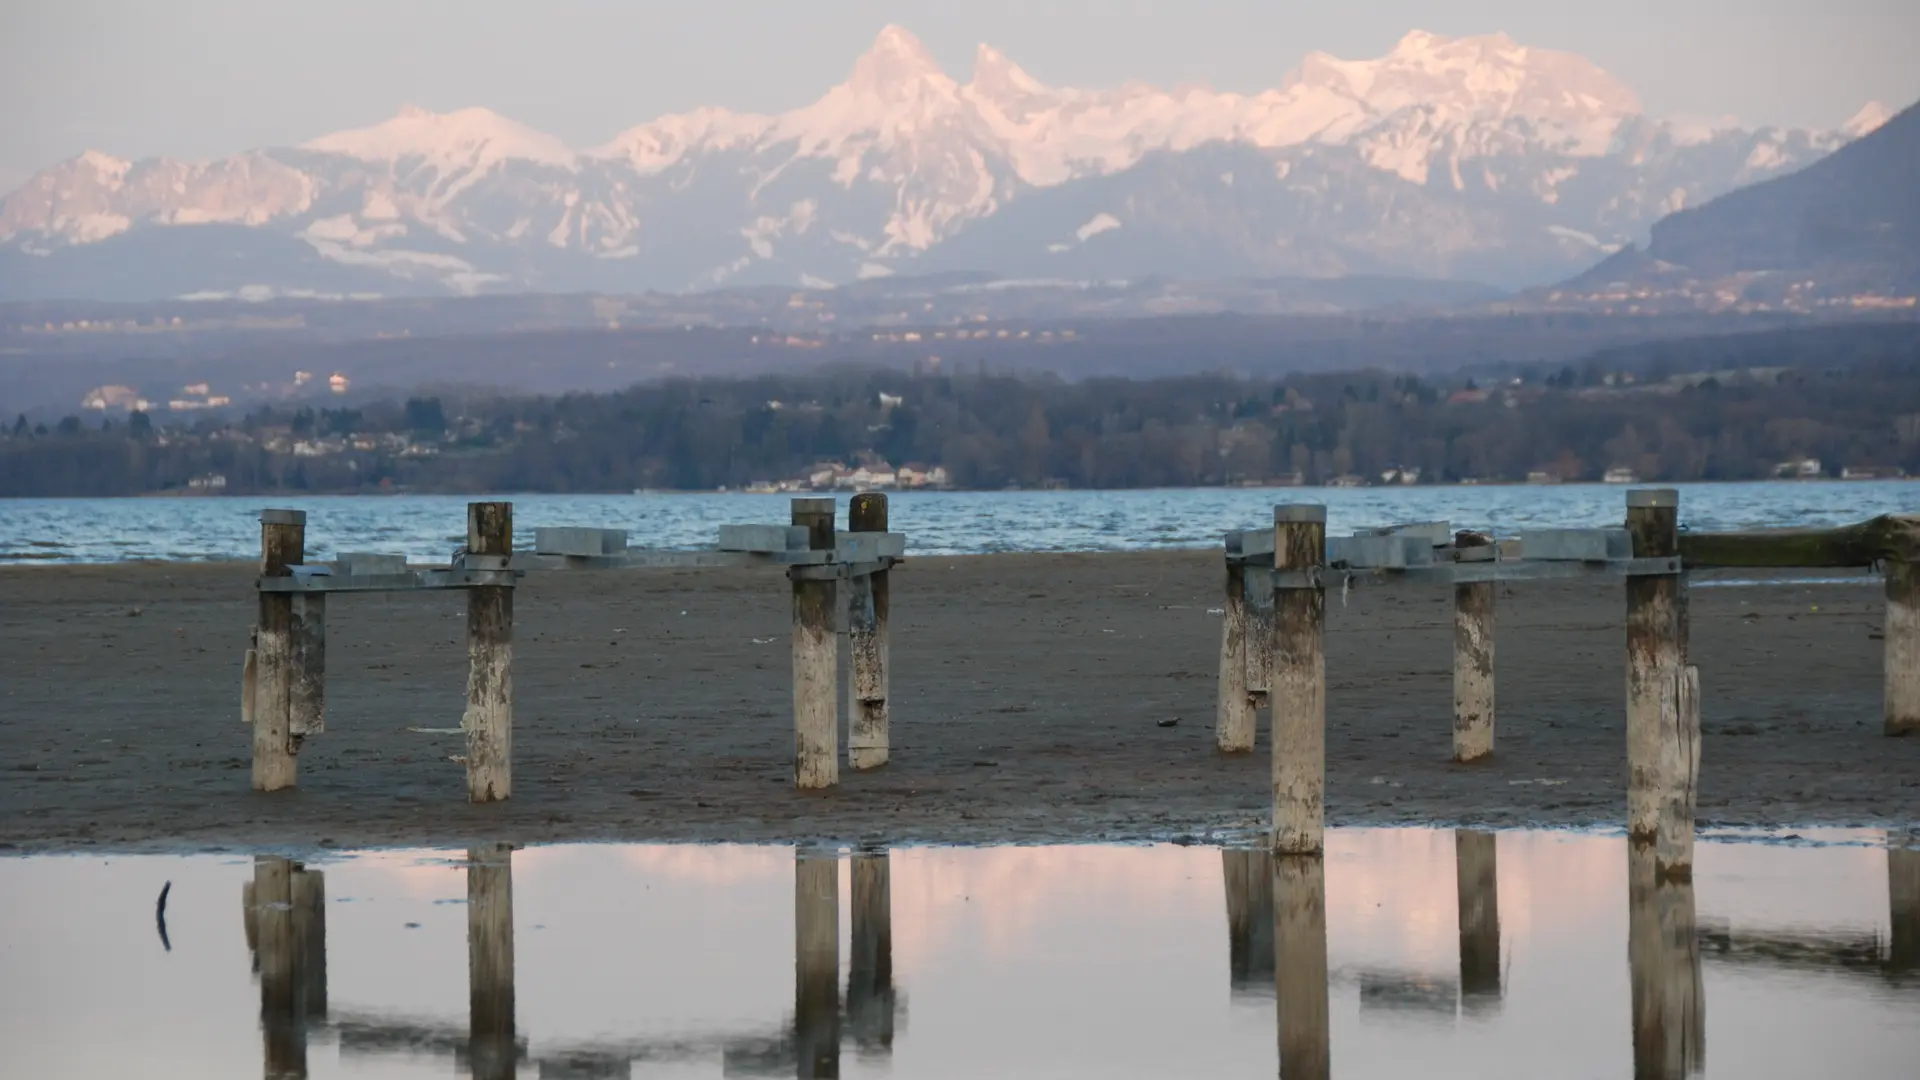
{"x": 1663, "y": 954}
{"x": 1300, "y": 966}
{"x": 811, "y": 1047}
{"x": 816, "y": 965}
{"x": 1903, "y": 910}
{"x": 1477, "y": 882}
{"x": 870, "y": 994}
{"x": 1248, "y": 875}
{"x": 491, "y": 1048}
{"x": 285, "y": 916}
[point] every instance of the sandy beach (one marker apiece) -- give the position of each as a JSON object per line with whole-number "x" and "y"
{"x": 1029, "y": 693}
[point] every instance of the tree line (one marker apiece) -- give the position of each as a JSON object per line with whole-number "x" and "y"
{"x": 1680, "y": 416}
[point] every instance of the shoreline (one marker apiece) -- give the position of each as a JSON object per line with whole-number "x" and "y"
{"x": 1028, "y": 691}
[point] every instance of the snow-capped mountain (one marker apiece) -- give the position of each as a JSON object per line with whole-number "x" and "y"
{"x": 1473, "y": 157}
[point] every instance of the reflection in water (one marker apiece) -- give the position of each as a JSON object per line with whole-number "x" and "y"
{"x": 285, "y": 912}
{"x": 1249, "y": 888}
{"x": 1399, "y": 945}
{"x": 1477, "y": 882}
{"x": 870, "y": 996}
{"x": 1300, "y": 965}
{"x": 1663, "y": 955}
{"x": 1903, "y": 904}
{"x": 491, "y": 1046}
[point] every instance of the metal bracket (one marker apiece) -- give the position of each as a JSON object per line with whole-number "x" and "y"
{"x": 1657, "y": 567}
{"x": 1309, "y": 578}
{"x": 471, "y": 561}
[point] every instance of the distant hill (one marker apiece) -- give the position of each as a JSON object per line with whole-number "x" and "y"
{"x": 1849, "y": 222}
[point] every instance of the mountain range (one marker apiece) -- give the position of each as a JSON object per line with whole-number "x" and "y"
{"x": 1472, "y": 159}
{"x": 1845, "y": 229}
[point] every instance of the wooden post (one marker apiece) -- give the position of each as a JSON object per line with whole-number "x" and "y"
{"x": 1653, "y": 652}
{"x": 307, "y": 697}
{"x": 282, "y": 1028}
{"x": 1903, "y": 909}
{"x": 1233, "y": 725}
{"x": 868, "y": 601}
{"x": 250, "y": 676}
{"x": 1476, "y": 874}
{"x": 1663, "y": 956}
{"x": 1259, "y": 590}
{"x": 1249, "y": 888}
{"x": 490, "y": 1021}
{"x": 489, "y": 717}
{"x": 1299, "y": 680}
{"x": 816, "y": 707}
{"x": 1473, "y": 655}
{"x": 816, "y": 963}
{"x": 870, "y": 992}
{"x": 283, "y": 542}
{"x": 1300, "y": 966}
{"x": 1903, "y": 647}
{"x": 1679, "y": 764}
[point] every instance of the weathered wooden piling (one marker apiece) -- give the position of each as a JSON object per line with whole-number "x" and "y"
{"x": 1248, "y": 879}
{"x": 816, "y": 963}
{"x": 307, "y": 696}
{"x": 283, "y": 542}
{"x": 1902, "y": 705}
{"x": 1473, "y": 654}
{"x": 277, "y": 959}
{"x": 1234, "y": 718}
{"x": 489, "y": 717}
{"x": 1476, "y": 871}
{"x": 250, "y": 676}
{"x": 1260, "y": 615}
{"x": 491, "y": 1045}
{"x": 1653, "y": 651}
{"x": 1903, "y": 909}
{"x": 1679, "y": 769}
{"x": 870, "y": 991}
{"x": 868, "y": 601}
{"x": 1663, "y": 955}
{"x": 816, "y": 728}
{"x": 1299, "y": 692}
{"x": 1300, "y": 966}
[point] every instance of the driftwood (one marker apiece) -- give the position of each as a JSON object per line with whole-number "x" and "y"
{"x": 1887, "y": 538}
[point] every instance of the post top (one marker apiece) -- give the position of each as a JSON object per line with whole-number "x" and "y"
{"x": 1310, "y": 512}
{"x": 813, "y": 506}
{"x": 283, "y": 517}
{"x": 1643, "y": 497}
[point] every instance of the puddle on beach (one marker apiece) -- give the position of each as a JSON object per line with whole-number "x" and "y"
{"x": 1406, "y": 952}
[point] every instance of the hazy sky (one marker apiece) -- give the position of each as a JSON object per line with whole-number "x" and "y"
{"x": 211, "y": 77}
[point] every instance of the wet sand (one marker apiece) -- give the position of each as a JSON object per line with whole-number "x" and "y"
{"x": 1028, "y": 694}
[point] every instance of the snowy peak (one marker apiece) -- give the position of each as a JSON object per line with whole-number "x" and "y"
{"x": 1489, "y": 77}
{"x": 1867, "y": 121}
{"x": 657, "y": 145}
{"x": 465, "y": 138}
{"x": 1003, "y": 83}
{"x": 897, "y": 67}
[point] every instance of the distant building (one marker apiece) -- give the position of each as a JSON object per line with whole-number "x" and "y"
{"x": 1799, "y": 469}
{"x": 1620, "y": 474}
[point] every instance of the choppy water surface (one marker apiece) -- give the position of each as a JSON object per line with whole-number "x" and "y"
{"x": 1406, "y": 952}
{"x": 429, "y": 527}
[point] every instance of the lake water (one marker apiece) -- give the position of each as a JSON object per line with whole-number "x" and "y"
{"x": 1405, "y": 952}
{"x": 429, "y": 527}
